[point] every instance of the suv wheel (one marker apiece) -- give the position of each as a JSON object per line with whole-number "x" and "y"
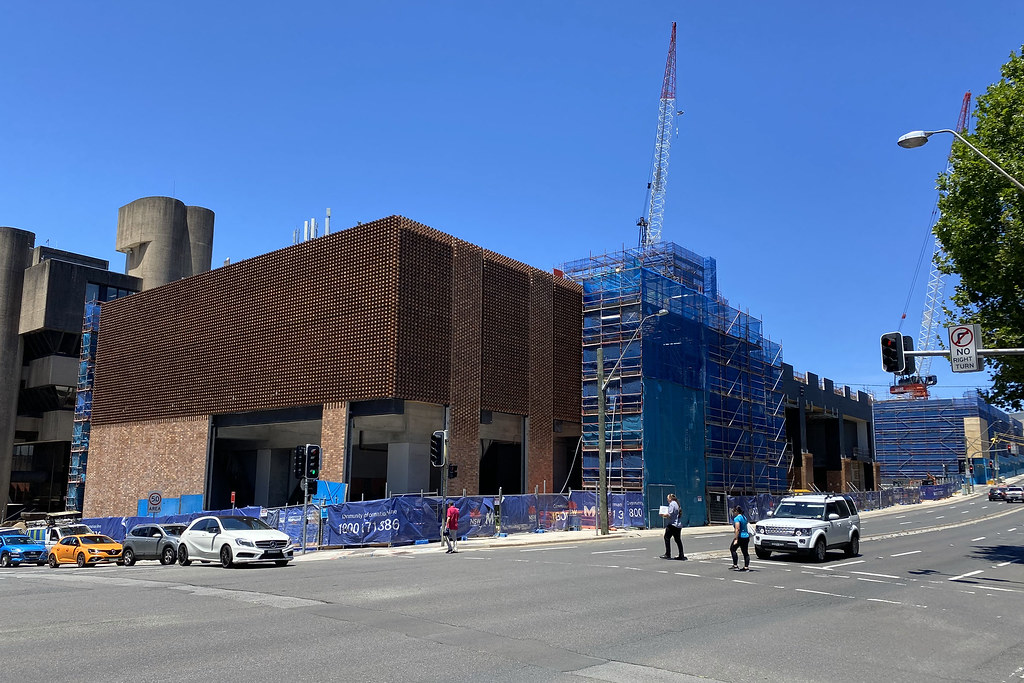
{"x": 168, "y": 556}
{"x": 853, "y": 548}
{"x": 762, "y": 554}
{"x": 128, "y": 556}
{"x": 818, "y": 553}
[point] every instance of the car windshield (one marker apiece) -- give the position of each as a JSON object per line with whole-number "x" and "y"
{"x": 18, "y": 540}
{"x": 76, "y": 530}
{"x": 801, "y": 509}
{"x": 96, "y": 539}
{"x": 242, "y": 523}
{"x": 174, "y": 529}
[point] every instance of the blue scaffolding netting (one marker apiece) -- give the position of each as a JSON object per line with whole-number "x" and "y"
{"x": 696, "y": 402}
{"x": 915, "y": 438}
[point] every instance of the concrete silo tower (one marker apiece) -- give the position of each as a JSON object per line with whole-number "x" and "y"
{"x": 164, "y": 240}
{"x": 15, "y": 256}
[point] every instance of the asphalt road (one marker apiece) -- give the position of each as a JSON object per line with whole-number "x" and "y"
{"x": 941, "y": 605}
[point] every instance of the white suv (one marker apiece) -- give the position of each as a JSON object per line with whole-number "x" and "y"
{"x": 809, "y": 524}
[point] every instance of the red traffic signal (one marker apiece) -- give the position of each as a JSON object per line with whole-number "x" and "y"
{"x": 892, "y": 352}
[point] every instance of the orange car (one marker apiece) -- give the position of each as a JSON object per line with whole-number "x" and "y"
{"x": 85, "y": 550}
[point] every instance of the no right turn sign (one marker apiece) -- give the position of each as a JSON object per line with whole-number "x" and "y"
{"x": 963, "y": 348}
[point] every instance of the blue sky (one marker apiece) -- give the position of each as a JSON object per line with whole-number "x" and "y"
{"x": 524, "y": 127}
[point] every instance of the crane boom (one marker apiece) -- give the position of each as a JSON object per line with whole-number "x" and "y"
{"x": 650, "y": 225}
{"x": 928, "y": 338}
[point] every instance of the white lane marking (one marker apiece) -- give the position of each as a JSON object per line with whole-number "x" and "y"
{"x": 483, "y": 558}
{"x": 696, "y": 576}
{"x": 996, "y": 588}
{"x": 941, "y": 517}
{"x": 1013, "y": 529}
{"x": 983, "y": 507}
{"x": 661, "y": 571}
{"x": 909, "y": 552}
{"x": 636, "y": 569}
{"x": 964, "y": 576}
{"x": 979, "y": 538}
{"x": 557, "y": 547}
{"x": 605, "y": 552}
{"x": 902, "y": 523}
{"x": 900, "y": 516}
{"x": 861, "y": 578}
{"x": 889, "y": 602}
{"x": 847, "y": 564}
{"x": 834, "y": 595}
{"x": 749, "y": 583}
{"x": 1003, "y": 564}
{"x": 883, "y": 576}
{"x": 964, "y": 512}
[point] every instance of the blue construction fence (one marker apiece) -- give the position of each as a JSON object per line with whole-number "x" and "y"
{"x": 402, "y": 520}
{"x": 757, "y": 507}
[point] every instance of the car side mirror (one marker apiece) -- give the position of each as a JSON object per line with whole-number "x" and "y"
{"x": 832, "y": 517}
{"x": 770, "y": 513}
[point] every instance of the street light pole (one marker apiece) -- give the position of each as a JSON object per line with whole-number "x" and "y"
{"x": 919, "y": 137}
{"x": 602, "y": 453}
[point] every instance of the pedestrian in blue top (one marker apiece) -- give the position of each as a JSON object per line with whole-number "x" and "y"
{"x": 740, "y": 540}
{"x": 673, "y": 527}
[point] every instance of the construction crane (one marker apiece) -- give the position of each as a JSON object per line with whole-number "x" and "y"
{"x": 650, "y": 223}
{"x": 927, "y": 340}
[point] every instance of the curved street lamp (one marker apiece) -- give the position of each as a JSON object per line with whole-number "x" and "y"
{"x": 602, "y": 387}
{"x": 917, "y": 138}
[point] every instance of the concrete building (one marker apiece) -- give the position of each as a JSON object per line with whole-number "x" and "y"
{"x": 45, "y": 292}
{"x": 829, "y": 431}
{"x": 41, "y": 331}
{"x": 364, "y": 341}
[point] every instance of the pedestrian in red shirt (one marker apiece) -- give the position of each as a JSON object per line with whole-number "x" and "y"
{"x": 451, "y": 527}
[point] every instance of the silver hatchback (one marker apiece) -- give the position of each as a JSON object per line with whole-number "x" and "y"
{"x": 152, "y": 542}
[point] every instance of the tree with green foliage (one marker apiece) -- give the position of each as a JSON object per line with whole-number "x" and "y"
{"x": 981, "y": 230}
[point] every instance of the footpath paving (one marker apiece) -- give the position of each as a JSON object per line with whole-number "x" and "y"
{"x": 590, "y": 536}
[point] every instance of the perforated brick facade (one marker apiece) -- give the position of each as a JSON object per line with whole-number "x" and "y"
{"x": 389, "y": 309}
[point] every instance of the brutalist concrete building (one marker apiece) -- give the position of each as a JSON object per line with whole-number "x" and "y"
{"x": 44, "y": 295}
{"x": 364, "y": 341}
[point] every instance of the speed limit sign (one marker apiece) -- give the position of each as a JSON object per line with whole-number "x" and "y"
{"x": 154, "y": 501}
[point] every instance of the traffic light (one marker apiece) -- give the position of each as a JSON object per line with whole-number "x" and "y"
{"x": 453, "y": 471}
{"x": 312, "y": 461}
{"x": 971, "y": 469}
{"x": 438, "y": 441}
{"x": 892, "y": 352}
{"x": 961, "y": 466}
{"x": 990, "y": 465}
{"x": 299, "y": 462}
{"x": 311, "y": 487}
{"x": 909, "y": 362}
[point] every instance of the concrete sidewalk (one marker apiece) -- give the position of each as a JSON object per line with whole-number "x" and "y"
{"x": 589, "y": 536}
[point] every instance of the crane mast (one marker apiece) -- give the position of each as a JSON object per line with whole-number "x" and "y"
{"x": 650, "y": 225}
{"x": 928, "y": 337}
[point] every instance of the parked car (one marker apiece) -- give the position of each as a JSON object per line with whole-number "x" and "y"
{"x": 152, "y": 542}
{"x": 233, "y": 540}
{"x": 1014, "y": 494}
{"x": 11, "y": 531}
{"x": 85, "y": 551}
{"x": 809, "y": 525}
{"x": 17, "y": 549}
{"x": 997, "y": 493}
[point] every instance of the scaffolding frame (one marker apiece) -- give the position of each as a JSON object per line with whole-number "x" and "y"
{"x": 83, "y": 407}
{"x": 739, "y": 373}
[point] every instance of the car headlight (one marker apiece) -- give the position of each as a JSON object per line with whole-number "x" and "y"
{"x": 93, "y": 551}
{"x": 15, "y": 552}
{"x": 758, "y": 529}
{"x": 802, "y": 532}
{"x": 246, "y": 542}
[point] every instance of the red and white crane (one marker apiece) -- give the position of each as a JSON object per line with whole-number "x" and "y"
{"x": 928, "y": 338}
{"x": 650, "y": 224}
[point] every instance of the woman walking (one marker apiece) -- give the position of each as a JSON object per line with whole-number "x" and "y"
{"x": 740, "y": 540}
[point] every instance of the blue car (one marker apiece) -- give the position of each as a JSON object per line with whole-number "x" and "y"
{"x": 17, "y": 549}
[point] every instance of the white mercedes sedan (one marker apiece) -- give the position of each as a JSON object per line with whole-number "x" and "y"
{"x": 233, "y": 540}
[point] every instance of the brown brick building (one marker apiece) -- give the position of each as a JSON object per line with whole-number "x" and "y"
{"x": 365, "y": 341}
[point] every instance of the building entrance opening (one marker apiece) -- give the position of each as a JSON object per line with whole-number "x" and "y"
{"x": 251, "y": 456}
{"x": 389, "y": 448}
{"x": 502, "y": 461}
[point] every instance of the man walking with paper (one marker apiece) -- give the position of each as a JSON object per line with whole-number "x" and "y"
{"x": 674, "y": 526}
